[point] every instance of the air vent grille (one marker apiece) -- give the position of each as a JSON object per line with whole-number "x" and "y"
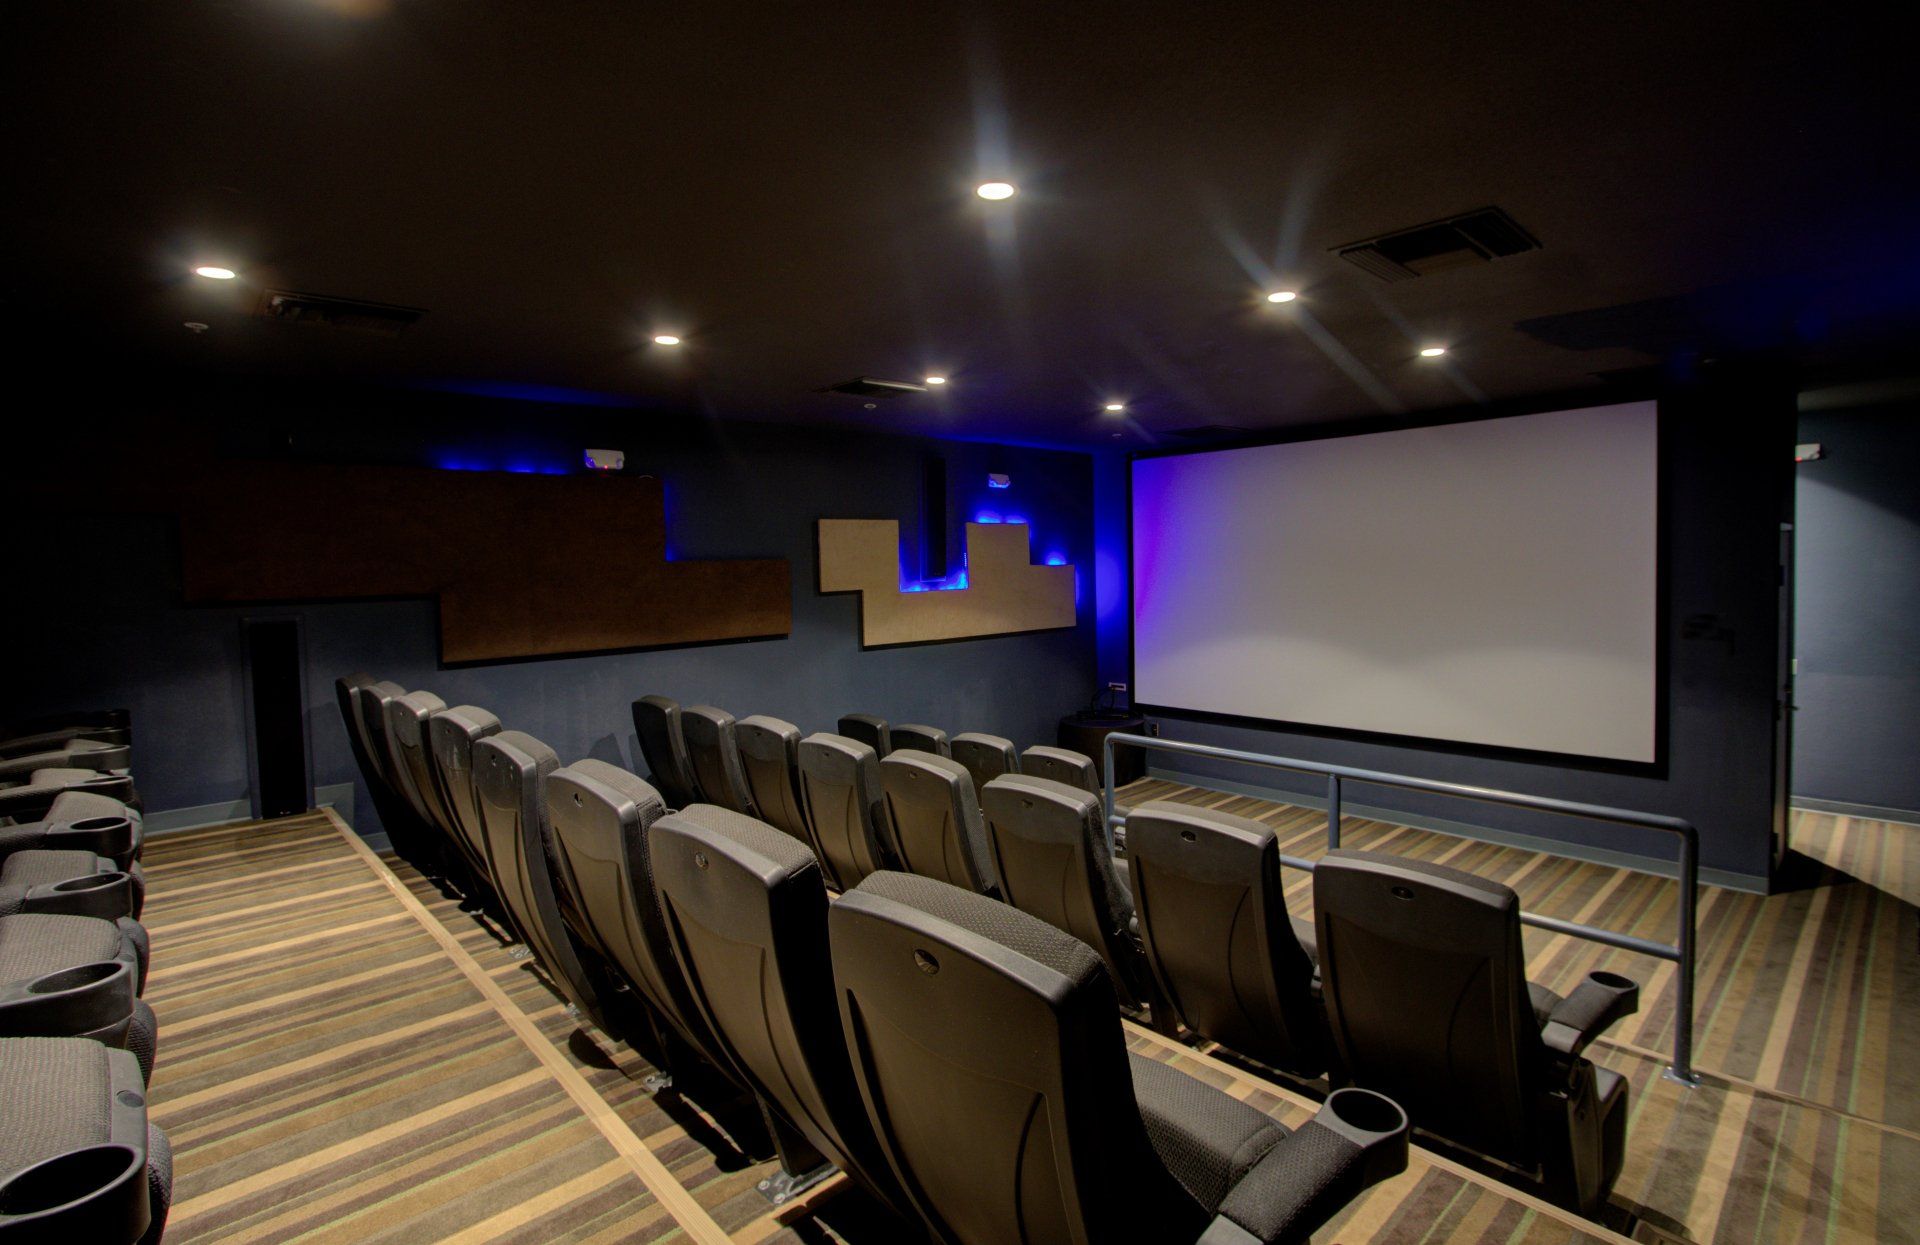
{"x": 383, "y": 319}
{"x": 1469, "y": 239}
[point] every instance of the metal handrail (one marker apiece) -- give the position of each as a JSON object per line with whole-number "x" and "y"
{"x": 1680, "y": 952}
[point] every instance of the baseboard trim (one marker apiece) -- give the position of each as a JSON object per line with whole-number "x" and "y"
{"x": 1467, "y": 830}
{"x": 337, "y": 795}
{"x": 1872, "y": 812}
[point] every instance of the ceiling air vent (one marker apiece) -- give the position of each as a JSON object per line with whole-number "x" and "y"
{"x": 1457, "y": 242}
{"x": 383, "y": 319}
{"x": 870, "y": 387}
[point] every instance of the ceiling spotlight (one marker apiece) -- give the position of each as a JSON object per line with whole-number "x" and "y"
{"x": 194, "y": 326}
{"x": 936, "y": 380}
{"x": 665, "y": 339}
{"x": 1282, "y": 296}
{"x": 1112, "y": 407}
{"x": 213, "y": 273}
{"x": 1432, "y": 352}
{"x": 994, "y": 190}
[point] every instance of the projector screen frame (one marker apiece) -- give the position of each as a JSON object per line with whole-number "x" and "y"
{"x": 1662, "y": 655}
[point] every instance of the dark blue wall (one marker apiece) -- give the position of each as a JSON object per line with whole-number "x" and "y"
{"x": 1857, "y": 610}
{"x": 114, "y": 631}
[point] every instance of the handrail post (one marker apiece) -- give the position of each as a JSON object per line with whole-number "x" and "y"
{"x": 1333, "y": 812}
{"x": 1106, "y": 775}
{"x": 1682, "y": 1069}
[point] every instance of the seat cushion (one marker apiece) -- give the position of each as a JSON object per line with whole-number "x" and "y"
{"x": 44, "y": 867}
{"x": 55, "y": 1095}
{"x": 35, "y": 944}
{"x": 1208, "y": 1139}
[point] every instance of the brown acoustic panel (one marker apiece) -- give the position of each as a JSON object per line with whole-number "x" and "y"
{"x": 523, "y": 565}
{"x": 1005, "y": 592}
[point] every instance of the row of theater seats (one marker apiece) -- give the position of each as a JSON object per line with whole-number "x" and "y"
{"x": 1410, "y": 979}
{"x": 78, "y": 1159}
{"x": 960, "y": 1060}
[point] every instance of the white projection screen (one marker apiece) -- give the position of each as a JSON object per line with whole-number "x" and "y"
{"x": 1491, "y": 583}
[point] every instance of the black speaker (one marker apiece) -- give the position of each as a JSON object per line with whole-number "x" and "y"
{"x": 276, "y": 716}
{"x": 1087, "y": 732}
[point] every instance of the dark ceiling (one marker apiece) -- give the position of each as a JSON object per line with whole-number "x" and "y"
{"x": 789, "y": 187}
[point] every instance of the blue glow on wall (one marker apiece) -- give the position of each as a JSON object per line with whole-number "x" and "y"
{"x": 463, "y": 461}
{"x": 1015, "y": 518}
{"x": 986, "y": 516}
{"x": 1056, "y": 559}
{"x": 993, "y": 483}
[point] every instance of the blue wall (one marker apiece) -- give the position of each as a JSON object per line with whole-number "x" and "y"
{"x": 1857, "y": 610}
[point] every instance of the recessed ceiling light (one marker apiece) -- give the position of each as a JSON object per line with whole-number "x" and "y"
{"x": 995, "y": 190}
{"x": 1116, "y": 406}
{"x": 936, "y": 380}
{"x": 665, "y": 339}
{"x": 1432, "y": 352}
{"x": 214, "y": 273}
{"x": 1282, "y": 296}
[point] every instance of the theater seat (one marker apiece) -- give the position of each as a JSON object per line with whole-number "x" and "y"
{"x": 80, "y": 821}
{"x": 919, "y": 738}
{"x": 867, "y": 729}
{"x": 770, "y": 763}
{"x": 451, "y": 737}
{"x": 76, "y": 976}
{"x": 29, "y": 796}
{"x": 995, "y": 1073}
{"x": 656, "y": 724}
{"x": 936, "y": 820}
{"x": 74, "y": 882}
{"x": 846, "y": 806}
{"x": 407, "y": 718}
{"x": 51, "y": 731}
{"x": 715, "y": 757}
{"x": 412, "y": 836}
{"x": 986, "y": 757}
{"x": 1426, "y": 992}
{"x": 1076, "y": 769}
{"x": 79, "y": 1161}
{"x": 89, "y": 754}
{"x": 1214, "y": 923}
{"x": 745, "y": 908}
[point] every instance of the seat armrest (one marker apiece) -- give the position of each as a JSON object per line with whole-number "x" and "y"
{"x": 1357, "y": 1139}
{"x": 104, "y": 896}
{"x": 1600, "y": 1000}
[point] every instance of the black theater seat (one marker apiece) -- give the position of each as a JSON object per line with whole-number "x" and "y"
{"x": 1426, "y": 991}
{"x": 936, "y": 820}
{"x": 715, "y": 757}
{"x": 770, "y": 763}
{"x": 868, "y": 729}
{"x": 656, "y": 724}
{"x": 995, "y": 1073}
{"x": 918, "y": 738}
{"x": 79, "y": 1162}
{"x": 985, "y": 757}
{"x": 76, "y": 976}
{"x": 846, "y": 806}
{"x": 1213, "y": 919}
{"x": 1076, "y": 769}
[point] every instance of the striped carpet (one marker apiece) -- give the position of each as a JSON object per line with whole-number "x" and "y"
{"x": 347, "y": 1055}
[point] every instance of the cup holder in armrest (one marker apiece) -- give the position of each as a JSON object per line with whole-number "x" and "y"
{"x": 111, "y": 837}
{"x": 1372, "y": 1121}
{"x": 97, "y": 1193}
{"x": 87, "y": 1000}
{"x": 75, "y": 978}
{"x": 91, "y": 882}
{"x": 99, "y": 825}
{"x": 105, "y": 896}
{"x": 1613, "y": 981}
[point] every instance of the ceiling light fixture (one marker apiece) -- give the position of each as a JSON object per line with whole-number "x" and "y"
{"x": 995, "y": 190}
{"x": 1282, "y": 296}
{"x": 936, "y": 380}
{"x": 214, "y": 273}
{"x": 1113, "y": 407}
{"x": 665, "y": 339}
{"x": 1432, "y": 352}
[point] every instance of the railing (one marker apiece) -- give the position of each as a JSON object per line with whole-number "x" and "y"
{"x": 1680, "y": 952}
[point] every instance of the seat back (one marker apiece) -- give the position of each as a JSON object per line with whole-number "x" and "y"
{"x": 936, "y": 819}
{"x": 986, "y": 757}
{"x": 1213, "y": 918}
{"x": 361, "y": 707}
{"x": 407, "y": 718}
{"x": 656, "y": 724}
{"x": 868, "y": 729}
{"x": 1050, "y": 853}
{"x": 1426, "y": 993}
{"x": 846, "y": 806}
{"x": 413, "y": 832}
{"x": 993, "y": 1067}
{"x": 745, "y": 908}
{"x": 770, "y": 763}
{"x": 715, "y": 757}
{"x": 1076, "y": 769}
{"x": 920, "y": 739}
{"x": 452, "y": 736}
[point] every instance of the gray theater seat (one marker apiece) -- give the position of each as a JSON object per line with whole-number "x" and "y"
{"x": 1428, "y": 999}
{"x": 1076, "y": 769}
{"x": 846, "y": 806}
{"x": 715, "y": 757}
{"x": 407, "y": 718}
{"x": 30, "y": 796}
{"x": 76, "y": 976}
{"x": 53, "y": 731}
{"x": 995, "y": 1073}
{"x": 79, "y": 1162}
{"x": 1214, "y": 923}
{"x": 770, "y": 762}
{"x": 656, "y": 724}
{"x": 745, "y": 908}
{"x": 87, "y": 754}
{"x": 74, "y": 882}
{"x": 412, "y": 835}
{"x": 919, "y": 738}
{"x": 451, "y": 737}
{"x": 867, "y": 729}
{"x": 986, "y": 757}
{"x": 80, "y": 821}
{"x": 936, "y": 820}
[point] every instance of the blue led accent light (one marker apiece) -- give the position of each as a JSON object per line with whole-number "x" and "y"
{"x": 986, "y": 516}
{"x": 1015, "y": 518}
{"x": 993, "y": 483}
{"x": 1056, "y": 559}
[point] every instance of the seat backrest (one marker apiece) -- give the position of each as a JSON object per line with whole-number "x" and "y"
{"x": 715, "y": 757}
{"x": 1425, "y": 987}
{"x": 601, "y": 816}
{"x": 745, "y": 908}
{"x": 919, "y": 738}
{"x": 936, "y": 819}
{"x": 992, "y": 1063}
{"x": 846, "y": 806}
{"x": 986, "y": 757}
{"x": 1050, "y": 853}
{"x": 1076, "y": 769}
{"x": 400, "y": 812}
{"x": 656, "y": 724}
{"x": 452, "y": 735}
{"x": 868, "y": 729}
{"x": 770, "y": 763}
{"x": 407, "y": 734}
{"x": 510, "y": 771}
{"x": 1213, "y": 916}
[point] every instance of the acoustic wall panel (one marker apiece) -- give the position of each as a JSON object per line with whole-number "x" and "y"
{"x": 1004, "y": 593}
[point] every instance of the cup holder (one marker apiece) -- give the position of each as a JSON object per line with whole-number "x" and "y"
{"x": 91, "y": 882}
{"x": 1612, "y": 981}
{"x": 66, "y": 1178}
{"x": 97, "y": 825}
{"x": 78, "y": 977}
{"x": 1365, "y": 1111}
